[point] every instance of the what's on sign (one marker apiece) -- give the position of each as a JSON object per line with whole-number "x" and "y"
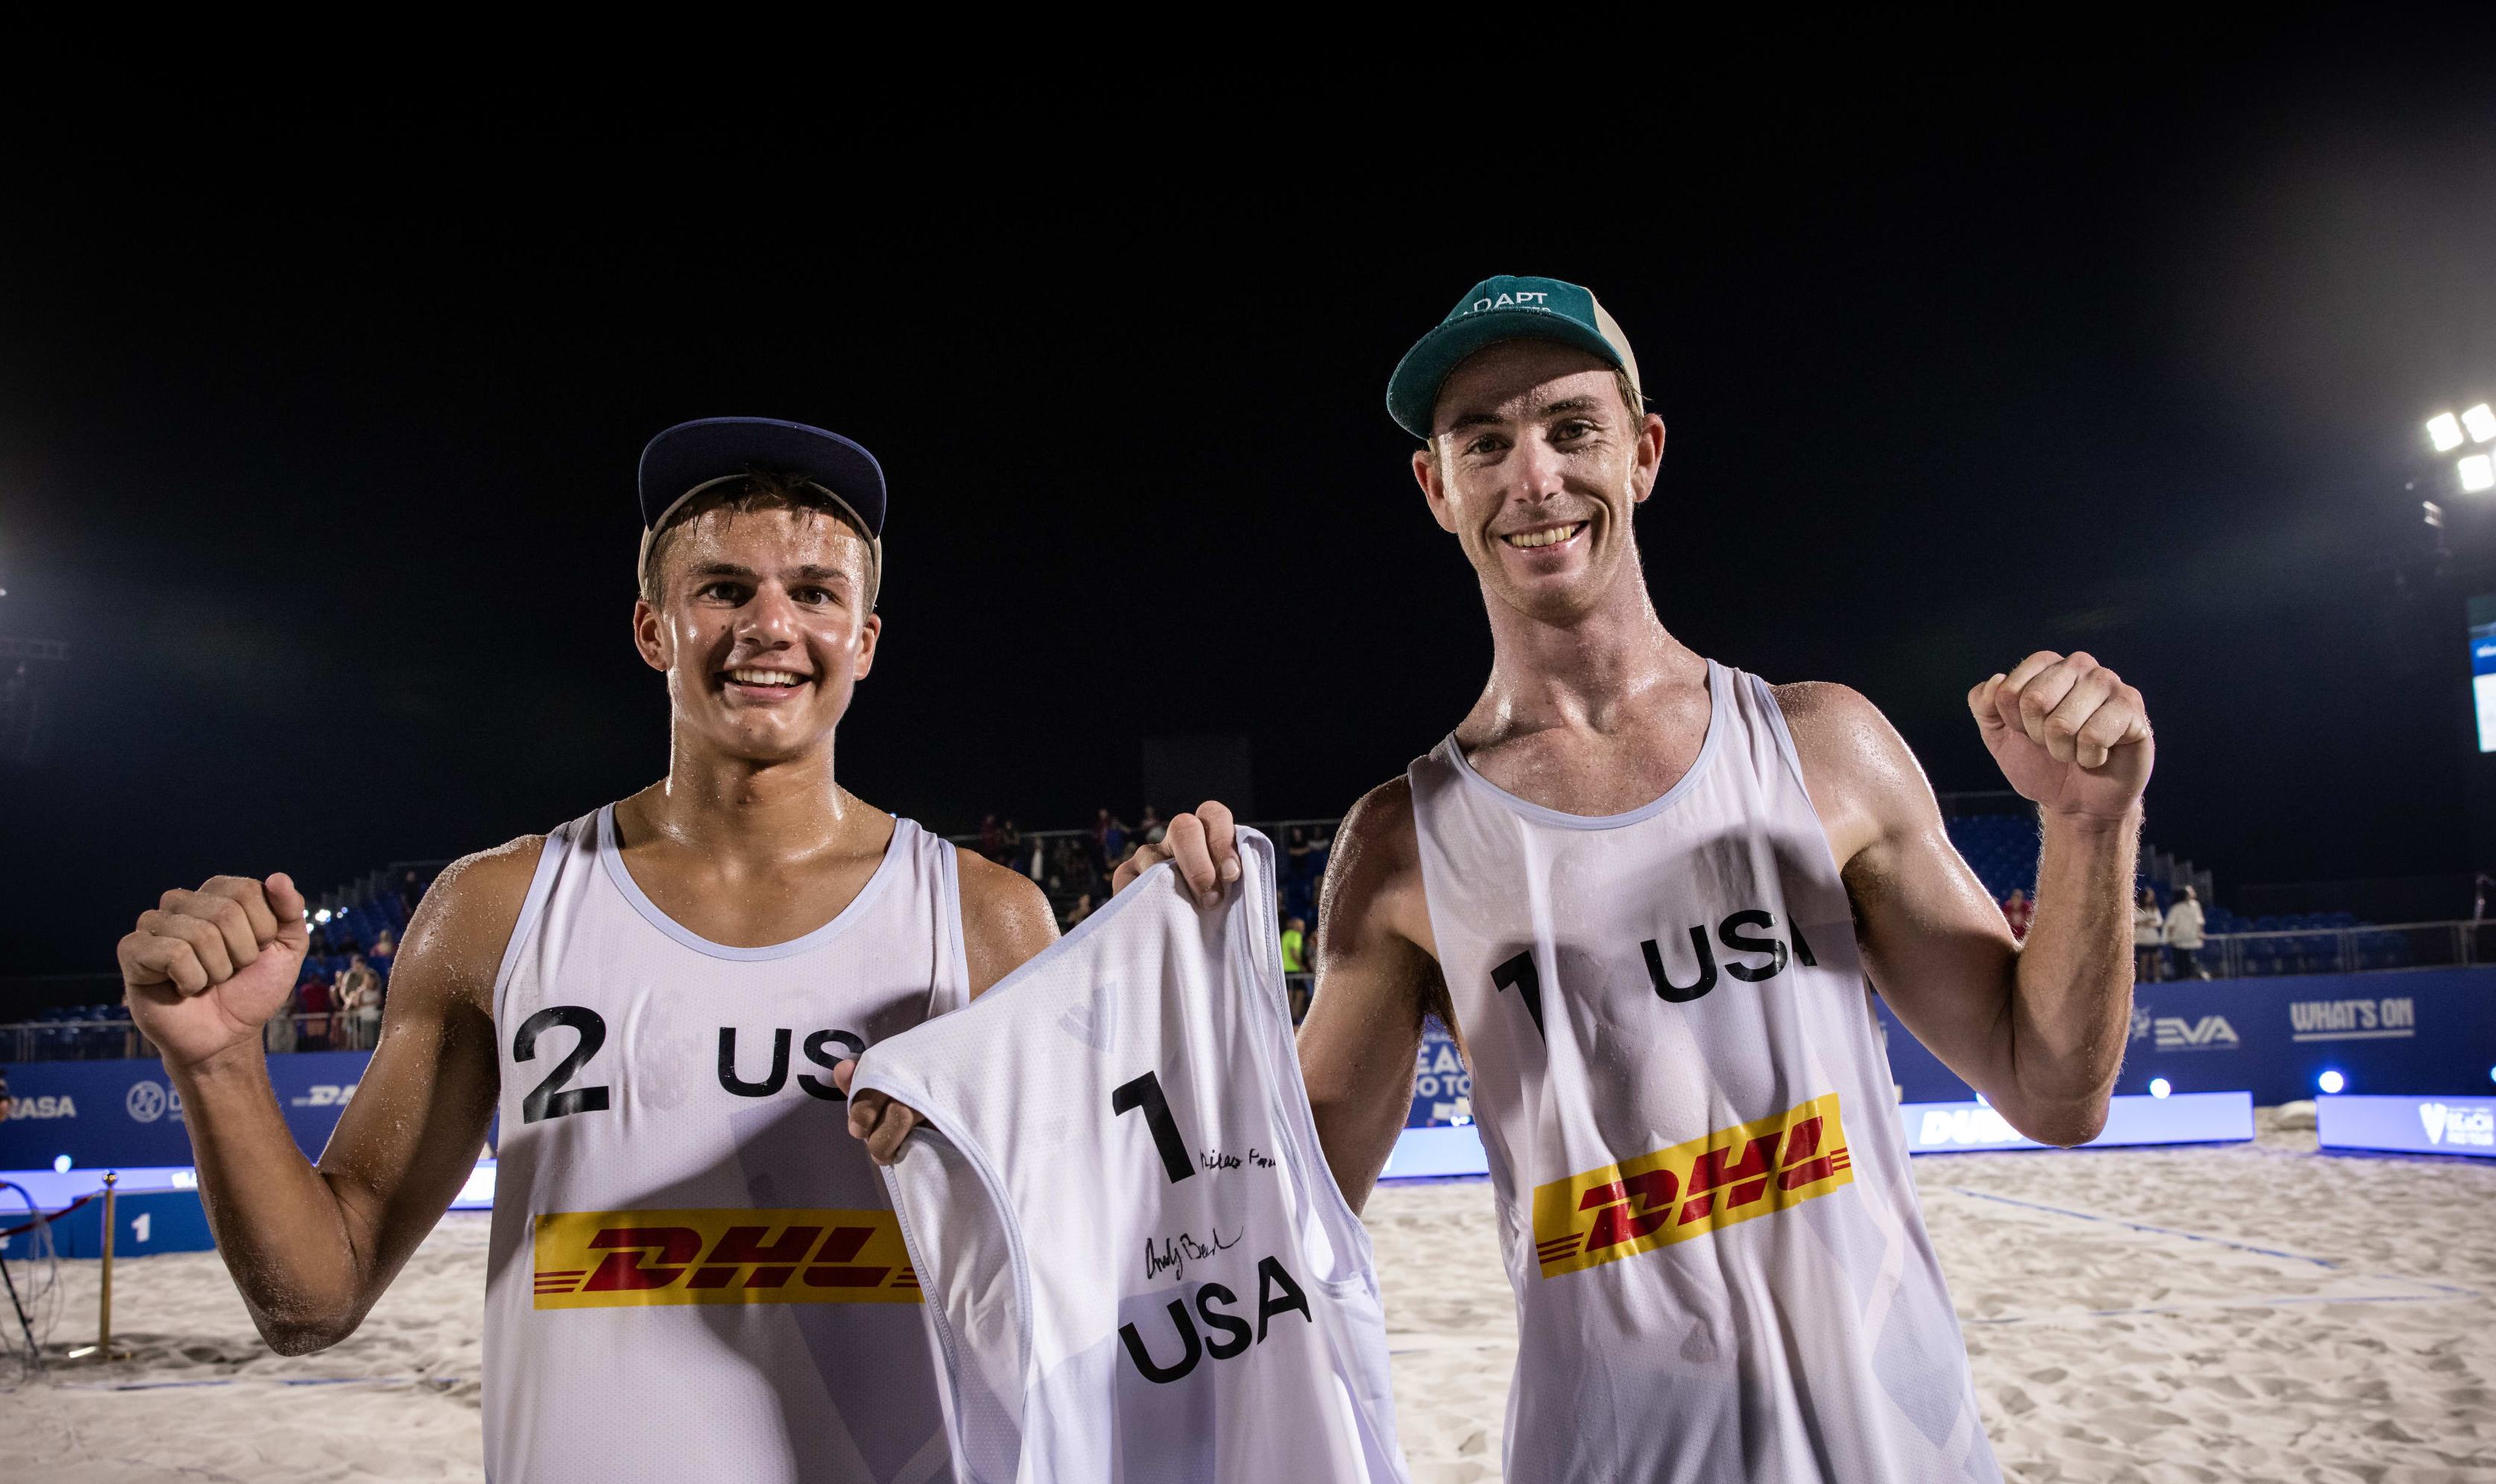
{"x": 2415, "y": 1125}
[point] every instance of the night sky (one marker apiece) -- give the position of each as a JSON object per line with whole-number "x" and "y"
{"x": 337, "y": 515}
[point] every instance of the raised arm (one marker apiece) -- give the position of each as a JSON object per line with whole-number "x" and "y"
{"x": 312, "y": 1246}
{"x": 2039, "y": 1029}
{"x": 1377, "y": 981}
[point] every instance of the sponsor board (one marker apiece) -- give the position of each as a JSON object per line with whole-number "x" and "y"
{"x": 2132, "y": 1118}
{"x": 2394, "y": 1018}
{"x": 1690, "y": 1189}
{"x": 2184, "y": 1033}
{"x": 63, "y": 1106}
{"x": 2422, "y": 1126}
{"x": 147, "y": 1101}
{"x": 2463, "y": 1125}
{"x": 1443, "y": 1090}
{"x": 606, "y": 1259}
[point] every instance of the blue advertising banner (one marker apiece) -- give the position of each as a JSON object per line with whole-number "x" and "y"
{"x": 2417, "y": 1125}
{"x": 127, "y": 1113}
{"x": 2421, "y": 1031}
{"x": 1442, "y": 1090}
{"x": 2185, "y": 1117}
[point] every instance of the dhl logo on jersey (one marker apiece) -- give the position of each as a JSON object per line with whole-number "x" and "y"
{"x": 1690, "y": 1189}
{"x": 604, "y": 1259}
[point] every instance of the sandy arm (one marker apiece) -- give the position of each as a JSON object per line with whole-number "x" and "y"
{"x": 311, "y": 1247}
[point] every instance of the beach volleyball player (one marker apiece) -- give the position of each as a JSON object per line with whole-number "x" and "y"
{"x": 1645, "y": 890}
{"x": 694, "y": 1273}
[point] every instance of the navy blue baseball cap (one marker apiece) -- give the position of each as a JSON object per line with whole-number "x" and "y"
{"x": 1509, "y": 307}
{"x": 691, "y": 456}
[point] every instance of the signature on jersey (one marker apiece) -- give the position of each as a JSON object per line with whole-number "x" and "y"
{"x": 1223, "y": 1159}
{"x": 1172, "y": 1254}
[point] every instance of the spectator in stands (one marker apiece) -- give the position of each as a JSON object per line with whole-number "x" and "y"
{"x": 313, "y": 998}
{"x": 4, "y": 1093}
{"x": 1111, "y": 833}
{"x": 280, "y": 1032}
{"x": 1081, "y": 909}
{"x": 385, "y": 945}
{"x": 2148, "y": 936}
{"x": 1296, "y": 945}
{"x": 2184, "y": 933}
{"x": 1298, "y": 854}
{"x": 2019, "y": 911}
{"x": 359, "y": 1006}
{"x": 1150, "y": 829}
{"x": 992, "y": 840}
{"x": 1009, "y": 845}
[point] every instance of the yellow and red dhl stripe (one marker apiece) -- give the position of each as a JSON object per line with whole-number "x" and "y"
{"x": 603, "y": 1259}
{"x": 1690, "y": 1189}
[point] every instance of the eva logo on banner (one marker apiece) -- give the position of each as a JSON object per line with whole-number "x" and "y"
{"x": 2174, "y": 1033}
{"x": 2465, "y": 1124}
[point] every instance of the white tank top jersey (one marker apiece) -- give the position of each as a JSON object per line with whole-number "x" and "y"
{"x": 1137, "y": 1259}
{"x": 696, "y": 1273}
{"x": 1721, "y": 1270}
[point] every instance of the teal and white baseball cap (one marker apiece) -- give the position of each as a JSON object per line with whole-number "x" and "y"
{"x": 1509, "y": 307}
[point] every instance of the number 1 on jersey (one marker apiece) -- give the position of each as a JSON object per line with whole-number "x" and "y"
{"x": 1145, "y": 1092}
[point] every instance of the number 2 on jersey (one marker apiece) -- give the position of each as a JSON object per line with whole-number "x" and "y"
{"x": 1145, "y": 1092}
{"x": 545, "y": 1101}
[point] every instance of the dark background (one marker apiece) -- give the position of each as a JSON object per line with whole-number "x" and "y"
{"x": 337, "y": 512}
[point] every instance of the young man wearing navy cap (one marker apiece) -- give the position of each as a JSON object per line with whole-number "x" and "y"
{"x": 693, "y": 1273}
{"x": 1645, "y": 890}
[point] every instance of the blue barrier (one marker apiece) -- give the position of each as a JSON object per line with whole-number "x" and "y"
{"x": 1443, "y": 1090}
{"x": 127, "y": 1113}
{"x": 2184, "y": 1118}
{"x": 157, "y": 1208}
{"x": 2417, "y": 1125}
{"x": 2422, "y": 1029}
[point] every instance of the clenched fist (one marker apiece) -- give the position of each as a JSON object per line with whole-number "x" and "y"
{"x": 204, "y": 970}
{"x": 2069, "y": 734}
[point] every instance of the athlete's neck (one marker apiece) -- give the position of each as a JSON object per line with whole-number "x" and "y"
{"x": 1597, "y": 670}
{"x": 741, "y": 810}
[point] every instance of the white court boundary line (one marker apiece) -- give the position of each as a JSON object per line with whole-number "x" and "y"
{"x": 2442, "y": 1293}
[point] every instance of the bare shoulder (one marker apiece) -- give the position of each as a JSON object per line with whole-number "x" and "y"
{"x": 1374, "y": 872}
{"x": 1864, "y": 779}
{"x": 1840, "y": 733}
{"x": 454, "y": 942}
{"x": 1006, "y": 919}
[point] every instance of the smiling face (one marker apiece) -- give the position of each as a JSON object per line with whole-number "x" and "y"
{"x": 1534, "y": 465}
{"x": 759, "y": 620}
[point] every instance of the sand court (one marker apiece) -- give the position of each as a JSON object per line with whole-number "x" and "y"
{"x": 2248, "y": 1313}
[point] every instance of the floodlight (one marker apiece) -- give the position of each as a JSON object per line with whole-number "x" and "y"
{"x": 2446, "y": 430}
{"x": 60, "y": 1164}
{"x": 2159, "y": 1087}
{"x": 2479, "y": 471}
{"x": 2481, "y": 422}
{"x": 2331, "y": 1082}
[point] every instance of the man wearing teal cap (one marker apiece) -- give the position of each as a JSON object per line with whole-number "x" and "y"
{"x": 1646, "y": 893}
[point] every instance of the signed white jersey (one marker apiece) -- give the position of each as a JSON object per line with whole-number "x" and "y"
{"x": 1136, "y": 1255}
{"x": 1721, "y": 1270}
{"x": 696, "y": 1272}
